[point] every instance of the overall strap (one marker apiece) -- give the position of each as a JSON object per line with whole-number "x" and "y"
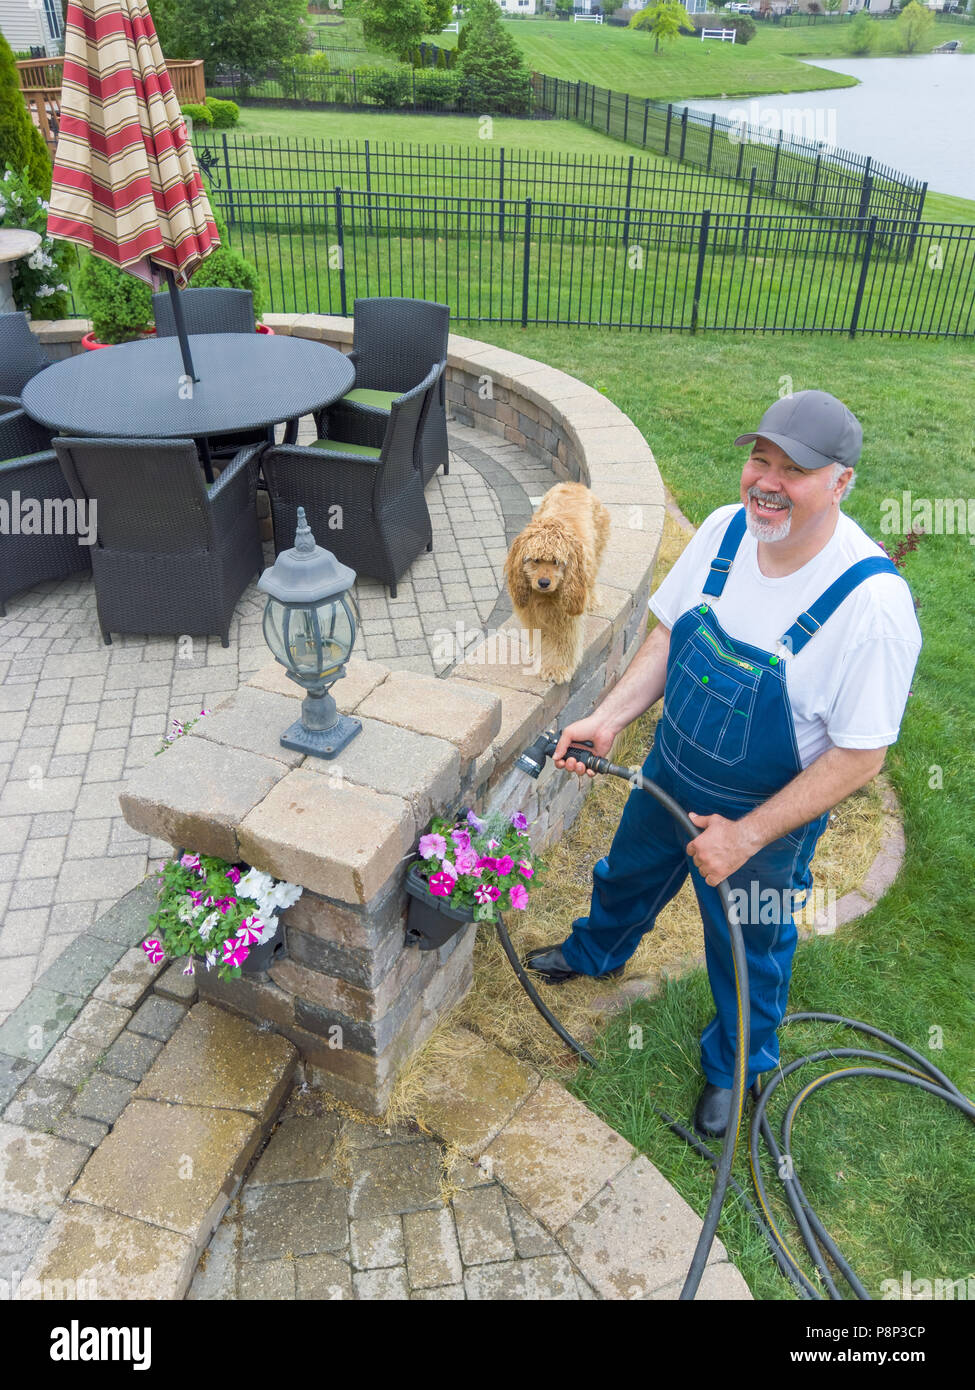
{"x": 808, "y": 624}
{"x": 727, "y": 551}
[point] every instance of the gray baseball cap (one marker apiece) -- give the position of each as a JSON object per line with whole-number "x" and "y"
{"x": 813, "y": 428}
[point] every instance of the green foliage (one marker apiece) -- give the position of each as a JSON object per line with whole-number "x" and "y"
{"x": 199, "y": 114}
{"x": 860, "y": 33}
{"x": 38, "y": 280}
{"x": 251, "y": 35}
{"x": 436, "y": 89}
{"x": 227, "y": 113}
{"x": 439, "y": 14}
{"x": 21, "y": 143}
{"x": 228, "y": 269}
{"x": 118, "y": 304}
{"x": 913, "y": 27}
{"x": 394, "y": 26}
{"x": 493, "y": 74}
{"x": 662, "y": 20}
{"x": 383, "y": 86}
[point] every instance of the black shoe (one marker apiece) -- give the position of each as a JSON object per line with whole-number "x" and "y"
{"x": 549, "y": 962}
{"x": 713, "y": 1111}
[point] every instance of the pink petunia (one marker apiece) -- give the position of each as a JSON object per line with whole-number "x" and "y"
{"x": 190, "y": 861}
{"x": 505, "y": 865}
{"x": 525, "y": 868}
{"x": 233, "y": 875}
{"x": 235, "y": 952}
{"x": 519, "y": 896}
{"x": 487, "y": 863}
{"x": 461, "y": 839}
{"x": 484, "y": 893}
{"x": 432, "y": 846}
{"x": 466, "y": 861}
{"x": 448, "y": 867}
{"x": 442, "y": 885}
{"x": 225, "y": 904}
{"x": 494, "y": 844}
{"x": 250, "y": 931}
{"x": 154, "y": 951}
{"x": 519, "y": 821}
{"x": 473, "y": 821}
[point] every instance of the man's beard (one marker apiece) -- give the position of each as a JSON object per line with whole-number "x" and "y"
{"x": 768, "y": 530}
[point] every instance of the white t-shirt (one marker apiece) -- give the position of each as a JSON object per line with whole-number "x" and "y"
{"x": 849, "y": 685}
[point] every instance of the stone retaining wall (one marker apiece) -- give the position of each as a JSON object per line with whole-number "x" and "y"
{"x": 348, "y": 992}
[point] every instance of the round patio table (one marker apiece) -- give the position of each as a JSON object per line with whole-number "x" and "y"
{"x": 140, "y": 391}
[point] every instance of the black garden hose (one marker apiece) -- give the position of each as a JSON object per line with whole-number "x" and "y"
{"x": 816, "y": 1238}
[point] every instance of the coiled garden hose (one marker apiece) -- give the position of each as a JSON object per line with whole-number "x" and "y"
{"x": 816, "y": 1238}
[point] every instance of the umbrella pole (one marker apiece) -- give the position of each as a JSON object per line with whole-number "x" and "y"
{"x": 184, "y": 344}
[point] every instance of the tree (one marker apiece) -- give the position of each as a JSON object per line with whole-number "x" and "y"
{"x": 394, "y": 25}
{"x": 662, "y": 20}
{"x": 913, "y": 27}
{"x": 251, "y": 35}
{"x": 832, "y": 6}
{"x": 439, "y": 14}
{"x": 21, "y": 143}
{"x": 859, "y": 36}
{"x": 493, "y": 75}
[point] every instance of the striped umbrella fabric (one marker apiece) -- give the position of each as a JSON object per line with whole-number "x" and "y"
{"x": 126, "y": 182}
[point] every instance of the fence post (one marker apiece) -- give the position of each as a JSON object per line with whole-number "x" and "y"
{"x": 865, "y": 188}
{"x": 609, "y": 108}
{"x": 413, "y": 85}
{"x": 525, "y": 259}
{"x": 501, "y": 193}
{"x": 626, "y": 115}
{"x": 917, "y": 221}
{"x": 578, "y": 90}
{"x": 741, "y": 151}
{"x": 699, "y": 278}
{"x": 368, "y": 190}
{"x": 711, "y": 140}
{"x": 863, "y": 277}
{"x": 294, "y": 83}
{"x": 626, "y": 215}
{"x": 683, "y": 132}
{"x": 812, "y": 192}
{"x": 646, "y": 116}
{"x": 341, "y": 237}
{"x": 775, "y": 163}
{"x": 354, "y": 101}
{"x": 748, "y": 211}
{"x": 230, "y": 185}
{"x": 670, "y": 114}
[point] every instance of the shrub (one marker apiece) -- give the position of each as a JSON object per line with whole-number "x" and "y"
{"x": 224, "y": 113}
{"x": 200, "y": 115}
{"x": 493, "y": 75}
{"x": 859, "y": 36}
{"x": 21, "y": 143}
{"x": 384, "y": 86}
{"x": 38, "y": 280}
{"x": 228, "y": 269}
{"x": 118, "y": 304}
{"x": 436, "y": 89}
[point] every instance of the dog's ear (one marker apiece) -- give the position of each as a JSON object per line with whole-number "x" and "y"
{"x": 580, "y": 575}
{"x": 518, "y": 586}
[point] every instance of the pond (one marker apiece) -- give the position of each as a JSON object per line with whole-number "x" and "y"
{"x": 916, "y": 114}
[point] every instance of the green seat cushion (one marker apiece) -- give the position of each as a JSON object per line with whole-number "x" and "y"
{"x": 338, "y": 446}
{"x": 379, "y": 400}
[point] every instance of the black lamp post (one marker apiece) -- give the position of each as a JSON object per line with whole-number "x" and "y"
{"x": 310, "y": 625}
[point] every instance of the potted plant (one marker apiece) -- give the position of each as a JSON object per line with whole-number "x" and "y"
{"x": 468, "y": 870}
{"x": 223, "y": 914}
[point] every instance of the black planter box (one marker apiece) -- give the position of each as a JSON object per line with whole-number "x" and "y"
{"x": 430, "y": 922}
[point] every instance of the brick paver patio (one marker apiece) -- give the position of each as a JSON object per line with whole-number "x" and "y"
{"x": 78, "y": 717}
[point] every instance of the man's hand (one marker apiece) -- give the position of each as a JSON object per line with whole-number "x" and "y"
{"x": 594, "y": 730}
{"x": 722, "y": 848}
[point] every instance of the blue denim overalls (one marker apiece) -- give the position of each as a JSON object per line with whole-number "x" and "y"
{"x": 725, "y": 743}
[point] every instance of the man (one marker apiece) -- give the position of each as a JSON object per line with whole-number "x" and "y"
{"x": 784, "y": 651}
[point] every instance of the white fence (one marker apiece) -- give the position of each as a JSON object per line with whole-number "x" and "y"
{"x": 725, "y": 35}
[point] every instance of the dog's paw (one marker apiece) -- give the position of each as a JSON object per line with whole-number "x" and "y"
{"x": 558, "y": 675}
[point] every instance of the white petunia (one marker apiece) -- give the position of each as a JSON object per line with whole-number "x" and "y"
{"x": 208, "y": 924}
{"x": 254, "y": 884}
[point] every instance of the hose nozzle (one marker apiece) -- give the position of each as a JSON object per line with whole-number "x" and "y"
{"x": 532, "y": 760}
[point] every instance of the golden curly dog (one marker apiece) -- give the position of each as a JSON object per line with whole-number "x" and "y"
{"x": 551, "y": 574}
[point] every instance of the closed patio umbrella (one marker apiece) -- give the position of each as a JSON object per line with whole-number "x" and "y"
{"x": 126, "y": 183}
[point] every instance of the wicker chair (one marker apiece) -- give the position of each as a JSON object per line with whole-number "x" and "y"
{"x": 205, "y": 311}
{"x": 21, "y": 355}
{"x": 173, "y": 555}
{"x": 394, "y": 344}
{"x": 383, "y": 517}
{"x": 30, "y": 470}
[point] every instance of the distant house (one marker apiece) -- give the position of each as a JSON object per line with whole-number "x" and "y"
{"x": 28, "y": 25}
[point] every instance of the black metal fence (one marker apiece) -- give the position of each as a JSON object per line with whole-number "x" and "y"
{"x": 833, "y": 181}
{"x": 534, "y": 262}
{"x": 493, "y": 170}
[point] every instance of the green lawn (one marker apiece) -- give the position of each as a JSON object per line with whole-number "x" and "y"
{"x": 889, "y": 1170}
{"x": 830, "y": 40}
